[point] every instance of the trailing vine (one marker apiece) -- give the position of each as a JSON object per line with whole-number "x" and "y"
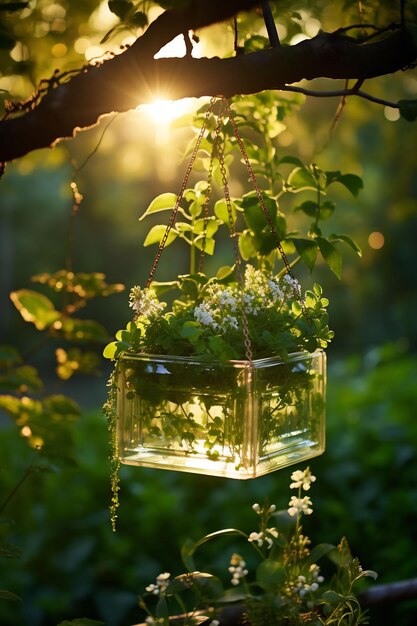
{"x": 109, "y": 409}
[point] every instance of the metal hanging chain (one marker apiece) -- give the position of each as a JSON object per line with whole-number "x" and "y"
{"x": 295, "y": 285}
{"x": 180, "y": 193}
{"x": 256, "y": 187}
{"x": 233, "y": 236}
{"x": 208, "y": 192}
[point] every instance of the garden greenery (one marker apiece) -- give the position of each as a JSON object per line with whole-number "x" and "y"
{"x": 286, "y": 587}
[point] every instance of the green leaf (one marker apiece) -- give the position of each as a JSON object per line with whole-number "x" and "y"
{"x": 110, "y": 350}
{"x": 225, "y": 272}
{"x": 270, "y": 573}
{"x": 221, "y": 211}
{"x": 254, "y": 214}
{"x": 191, "y": 330}
{"x": 307, "y": 249}
{"x": 187, "y": 552}
{"x": 247, "y": 246}
{"x": 331, "y": 255}
{"x": 163, "y": 202}
{"x": 35, "y": 307}
{"x": 156, "y": 233}
{"x": 8, "y": 595}
{"x": 62, "y": 408}
{"x": 21, "y": 379}
{"x": 121, "y": 8}
{"x": 408, "y": 109}
{"x": 332, "y": 597}
{"x": 161, "y": 287}
{"x": 83, "y": 330}
{"x": 84, "y": 285}
{"x": 209, "y": 244}
{"x": 211, "y": 226}
{"x": 318, "y": 552}
{"x": 301, "y": 179}
{"x": 293, "y": 161}
{"x": 352, "y": 182}
{"x": 161, "y": 609}
{"x": 9, "y": 356}
{"x": 308, "y": 207}
{"x": 349, "y": 241}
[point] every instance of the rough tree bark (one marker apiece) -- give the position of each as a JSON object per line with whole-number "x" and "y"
{"x": 134, "y": 77}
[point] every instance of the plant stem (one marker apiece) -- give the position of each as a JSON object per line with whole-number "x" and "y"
{"x": 16, "y": 488}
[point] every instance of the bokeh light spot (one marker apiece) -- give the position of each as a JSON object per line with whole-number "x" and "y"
{"x": 376, "y": 240}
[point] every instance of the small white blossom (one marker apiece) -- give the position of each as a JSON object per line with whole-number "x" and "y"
{"x": 231, "y": 321}
{"x": 257, "y": 538}
{"x": 256, "y": 508}
{"x": 275, "y": 290}
{"x": 263, "y": 537}
{"x": 272, "y": 508}
{"x": 227, "y": 298}
{"x": 269, "y": 540}
{"x": 291, "y": 282}
{"x": 300, "y": 505}
{"x": 214, "y": 622}
{"x": 145, "y": 302}
{"x": 302, "y": 479}
{"x": 162, "y": 582}
{"x": 237, "y": 569}
{"x": 205, "y": 316}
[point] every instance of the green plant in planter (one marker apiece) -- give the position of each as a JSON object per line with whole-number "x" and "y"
{"x": 198, "y": 401}
{"x": 230, "y": 380}
{"x": 284, "y": 585}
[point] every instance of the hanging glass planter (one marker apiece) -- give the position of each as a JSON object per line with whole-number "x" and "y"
{"x": 203, "y": 411}
{"x": 238, "y": 420}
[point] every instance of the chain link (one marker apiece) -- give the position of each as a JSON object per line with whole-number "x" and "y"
{"x": 238, "y": 261}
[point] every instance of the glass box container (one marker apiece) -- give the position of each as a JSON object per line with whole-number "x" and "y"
{"x": 238, "y": 419}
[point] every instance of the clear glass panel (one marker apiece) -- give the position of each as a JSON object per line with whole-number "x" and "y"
{"x": 238, "y": 420}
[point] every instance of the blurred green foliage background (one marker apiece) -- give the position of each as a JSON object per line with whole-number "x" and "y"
{"x": 67, "y": 562}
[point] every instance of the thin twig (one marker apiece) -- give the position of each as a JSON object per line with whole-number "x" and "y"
{"x": 270, "y": 25}
{"x": 339, "y": 93}
{"x": 93, "y": 152}
{"x": 17, "y": 486}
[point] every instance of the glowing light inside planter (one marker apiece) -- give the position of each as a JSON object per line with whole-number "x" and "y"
{"x": 237, "y": 420}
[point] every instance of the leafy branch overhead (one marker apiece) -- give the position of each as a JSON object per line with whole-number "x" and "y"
{"x": 77, "y": 99}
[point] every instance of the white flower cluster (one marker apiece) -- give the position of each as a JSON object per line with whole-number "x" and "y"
{"x": 297, "y": 506}
{"x": 237, "y": 568}
{"x": 162, "y": 582}
{"x": 302, "y": 479}
{"x": 145, "y": 302}
{"x": 264, "y": 537}
{"x": 305, "y": 584}
{"x": 220, "y": 309}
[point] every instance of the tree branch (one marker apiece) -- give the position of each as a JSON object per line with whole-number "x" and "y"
{"x": 135, "y": 77}
{"x": 342, "y": 93}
